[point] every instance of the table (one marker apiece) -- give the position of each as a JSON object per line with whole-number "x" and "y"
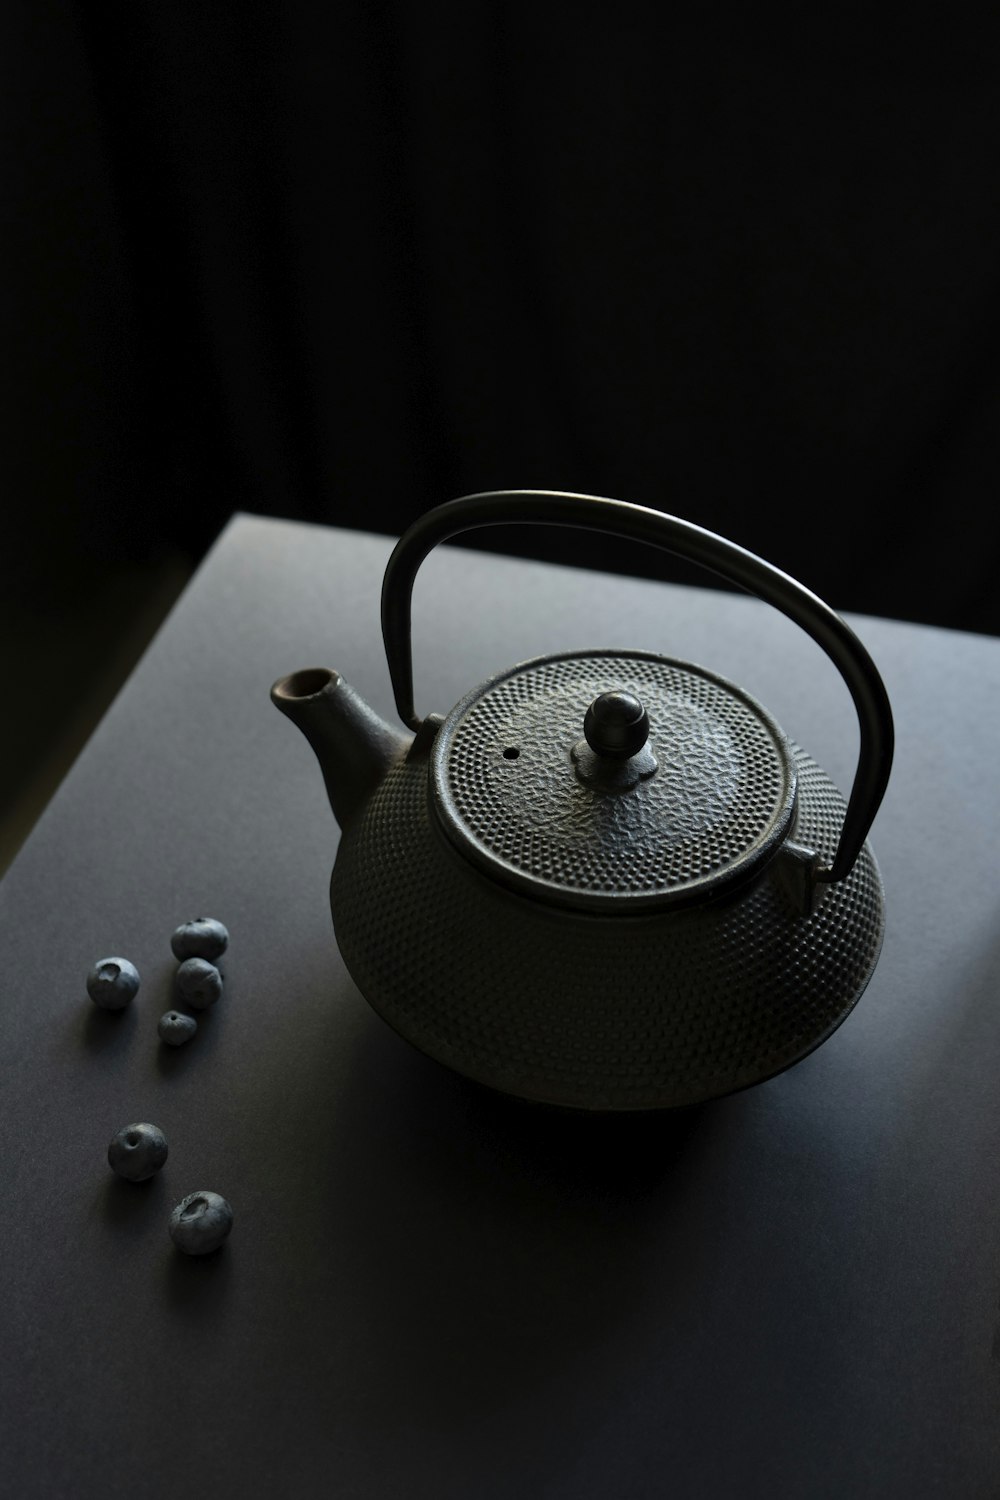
{"x": 431, "y": 1290}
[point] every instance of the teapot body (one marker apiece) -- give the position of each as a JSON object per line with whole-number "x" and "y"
{"x": 603, "y": 1012}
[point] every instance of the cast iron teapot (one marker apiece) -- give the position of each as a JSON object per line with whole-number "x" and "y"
{"x": 606, "y": 880}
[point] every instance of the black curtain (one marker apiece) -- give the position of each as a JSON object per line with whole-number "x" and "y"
{"x": 344, "y": 262}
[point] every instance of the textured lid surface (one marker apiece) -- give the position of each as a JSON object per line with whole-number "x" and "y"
{"x": 508, "y": 789}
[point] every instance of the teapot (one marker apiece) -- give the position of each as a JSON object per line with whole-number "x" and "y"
{"x": 606, "y": 880}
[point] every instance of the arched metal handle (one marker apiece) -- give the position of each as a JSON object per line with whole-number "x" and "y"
{"x": 639, "y": 523}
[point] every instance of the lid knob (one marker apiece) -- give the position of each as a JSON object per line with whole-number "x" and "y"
{"x": 616, "y": 725}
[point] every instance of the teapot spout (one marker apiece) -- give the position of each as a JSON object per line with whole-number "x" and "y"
{"x": 354, "y": 746}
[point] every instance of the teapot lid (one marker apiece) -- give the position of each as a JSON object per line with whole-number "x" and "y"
{"x": 613, "y": 781}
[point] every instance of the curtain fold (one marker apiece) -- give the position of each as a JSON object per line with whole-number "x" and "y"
{"x": 343, "y": 263}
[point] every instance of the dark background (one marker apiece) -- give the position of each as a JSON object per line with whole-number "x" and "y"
{"x": 345, "y": 262}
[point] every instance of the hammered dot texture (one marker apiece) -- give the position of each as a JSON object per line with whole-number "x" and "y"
{"x": 505, "y": 786}
{"x": 602, "y": 1013}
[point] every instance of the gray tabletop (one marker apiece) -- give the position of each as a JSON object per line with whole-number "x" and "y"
{"x": 431, "y": 1290}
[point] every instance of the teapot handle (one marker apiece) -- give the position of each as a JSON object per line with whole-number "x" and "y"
{"x": 683, "y": 539}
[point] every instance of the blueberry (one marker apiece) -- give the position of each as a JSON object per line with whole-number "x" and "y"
{"x": 198, "y": 982}
{"x": 200, "y": 1223}
{"x": 137, "y": 1152}
{"x": 203, "y": 937}
{"x": 112, "y": 983}
{"x": 176, "y": 1029}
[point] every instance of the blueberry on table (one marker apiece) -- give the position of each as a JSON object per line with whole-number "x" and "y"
{"x": 200, "y": 1223}
{"x": 198, "y": 983}
{"x": 137, "y": 1152}
{"x": 112, "y": 983}
{"x": 203, "y": 937}
{"x": 175, "y": 1029}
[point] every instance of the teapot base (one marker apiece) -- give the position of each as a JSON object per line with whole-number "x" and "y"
{"x": 601, "y": 1013}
